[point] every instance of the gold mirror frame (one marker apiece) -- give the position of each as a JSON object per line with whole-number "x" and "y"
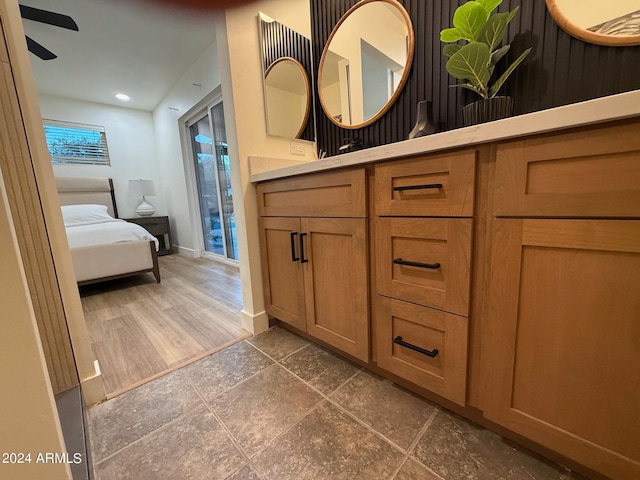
{"x": 585, "y": 35}
{"x": 307, "y": 84}
{"x": 405, "y": 74}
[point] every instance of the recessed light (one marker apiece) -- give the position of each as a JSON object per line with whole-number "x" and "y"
{"x": 123, "y": 96}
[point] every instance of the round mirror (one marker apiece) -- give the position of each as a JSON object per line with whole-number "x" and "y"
{"x": 594, "y": 21}
{"x": 287, "y": 93}
{"x": 365, "y": 62}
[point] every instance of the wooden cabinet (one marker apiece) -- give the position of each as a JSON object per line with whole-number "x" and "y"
{"x": 422, "y": 265}
{"x": 314, "y": 266}
{"x": 505, "y": 279}
{"x": 336, "y": 282}
{"x": 425, "y": 261}
{"x": 423, "y": 345}
{"x": 564, "y": 296}
{"x": 565, "y": 315}
{"x": 159, "y": 228}
{"x": 282, "y": 270}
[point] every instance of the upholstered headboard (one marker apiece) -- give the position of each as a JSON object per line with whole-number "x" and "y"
{"x": 81, "y": 190}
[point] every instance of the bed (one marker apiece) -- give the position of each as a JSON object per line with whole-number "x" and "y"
{"x": 102, "y": 246}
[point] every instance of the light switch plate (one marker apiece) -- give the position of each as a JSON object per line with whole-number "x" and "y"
{"x": 297, "y": 148}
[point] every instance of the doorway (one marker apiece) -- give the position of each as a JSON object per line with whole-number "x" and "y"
{"x": 210, "y": 157}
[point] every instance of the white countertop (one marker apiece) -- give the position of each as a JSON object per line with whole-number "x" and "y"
{"x": 614, "y": 107}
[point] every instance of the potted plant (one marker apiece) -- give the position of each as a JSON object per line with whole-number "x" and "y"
{"x": 481, "y": 32}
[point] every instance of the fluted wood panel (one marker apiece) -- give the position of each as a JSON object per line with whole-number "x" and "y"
{"x": 280, "y": 41}
{"x": 560, "y": 70}
{"x": 24, "y": 202}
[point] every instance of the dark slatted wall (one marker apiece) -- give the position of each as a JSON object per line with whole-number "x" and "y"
{"x": 560, "y": 69}
{"x": 280, "y": 41}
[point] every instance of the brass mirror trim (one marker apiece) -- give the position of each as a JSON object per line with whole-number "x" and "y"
{"x": 307, "y": 84}
{"x": 405, "y": 74}
{"x": 585, "y": 35}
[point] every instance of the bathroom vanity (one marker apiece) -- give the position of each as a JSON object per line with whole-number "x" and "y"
{"x": 494, "y": 269}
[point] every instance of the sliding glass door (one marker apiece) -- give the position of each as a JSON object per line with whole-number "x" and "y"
{"x": 213, "y": 179}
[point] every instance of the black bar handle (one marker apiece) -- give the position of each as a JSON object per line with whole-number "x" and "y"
{"x": 428, "y": 353}
{"x": 417, "y": 187}
{"x": 432, "y": 266}
{"x": 293, "y": 247}
{"x": 302, "y": 259}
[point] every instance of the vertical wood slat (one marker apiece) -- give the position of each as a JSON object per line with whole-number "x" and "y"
{"x": 560, "y": 70}
{"x": 24, "y": 201}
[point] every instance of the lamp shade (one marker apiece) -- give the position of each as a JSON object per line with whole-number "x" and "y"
{"x": 142, "y": 188}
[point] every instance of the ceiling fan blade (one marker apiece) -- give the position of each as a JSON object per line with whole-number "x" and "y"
{"x": 38, "y": 50}
{"x": 50, "y": 18}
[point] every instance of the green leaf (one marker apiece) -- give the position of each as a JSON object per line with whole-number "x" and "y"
{"x": 450, "y": 49}
{"x": 489, "y": 5}
{"x": 468, "y": 86}
{"x": 469, "y": 19}
{"x": 498, "y": 54}
{"x": 492, "y": 32}
{"x": 470, "y": 63}
{"x": 449, "y": 35}
{"x": 503, "y": 78}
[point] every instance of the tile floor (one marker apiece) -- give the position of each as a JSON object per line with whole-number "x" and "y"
{"x": 276, "y": 407}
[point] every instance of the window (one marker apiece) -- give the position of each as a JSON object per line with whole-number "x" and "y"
{"x": 76, "y": 144}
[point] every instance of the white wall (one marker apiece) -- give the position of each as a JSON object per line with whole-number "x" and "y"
{"x": 587, "y": 13}
{"x": 197, "y": 83}
{"x": 132, "y": 147}
{"x": 241, "y": 72}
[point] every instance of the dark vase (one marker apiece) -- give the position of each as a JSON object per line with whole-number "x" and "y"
{"x": 424, "y": 123}
{"x": 487, "y": 110}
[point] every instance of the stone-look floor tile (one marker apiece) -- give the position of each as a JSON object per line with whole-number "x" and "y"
{"x": 219, "y": 372}
{"x": 122, "y": 420}
{"x": 245, "y": 473}
{"x": 260, "y": 409}
{"x": 328, "y": 444}
{"x": 387, "y": 408}
{"x": 278, "y": 343}
{"x": 324, "y": 370}
{"x": 194, "y": 446}
{"x": 457, "y": 449}
{"x": 413, "y": 470}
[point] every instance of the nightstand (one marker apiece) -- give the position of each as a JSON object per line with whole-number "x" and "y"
{"x": 159, "y": 228}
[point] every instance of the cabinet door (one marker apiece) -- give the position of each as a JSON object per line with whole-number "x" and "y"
{"x": 565, "y": 319}
{"x": 282, "y": 270}
{"x": 335, "y": 281}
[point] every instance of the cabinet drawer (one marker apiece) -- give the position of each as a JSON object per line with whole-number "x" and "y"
{"x": 332, "y": 194}
{"x": 442, "y": 249}
{"x": 590, "y": 173}
{"x": 446, "y": 372}
{"x": 437, "y": 185}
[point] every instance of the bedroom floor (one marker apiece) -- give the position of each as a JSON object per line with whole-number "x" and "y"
{"x": 275, "y": 407}
{"x": 140, "y": 329}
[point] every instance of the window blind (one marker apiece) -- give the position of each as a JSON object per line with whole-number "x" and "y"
{"x": 73, "y": 143}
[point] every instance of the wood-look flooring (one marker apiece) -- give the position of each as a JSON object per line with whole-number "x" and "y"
{"x": 140, "y": 329}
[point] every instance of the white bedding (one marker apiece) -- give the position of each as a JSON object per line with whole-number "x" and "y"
{"x": 105, "y": 231}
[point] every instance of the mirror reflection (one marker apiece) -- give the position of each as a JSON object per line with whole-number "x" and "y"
{"x": 605, "y": 23}
{"x": 365, "y": 63}
{"x": 286, "y": 68}
{"x": 288, "y": 98}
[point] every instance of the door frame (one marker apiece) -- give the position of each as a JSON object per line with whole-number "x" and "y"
{"x": 184, "y": 122}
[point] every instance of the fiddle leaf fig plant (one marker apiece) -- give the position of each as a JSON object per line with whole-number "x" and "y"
{"x": 483, "y": 30}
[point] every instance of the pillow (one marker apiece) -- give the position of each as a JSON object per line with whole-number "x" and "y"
{"x": 77, "y": 214}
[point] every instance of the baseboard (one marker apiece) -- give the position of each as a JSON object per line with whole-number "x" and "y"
{"x": 187, "y": 252}
{"x": 255, "y": 323}
{"x": 93, "y": 387}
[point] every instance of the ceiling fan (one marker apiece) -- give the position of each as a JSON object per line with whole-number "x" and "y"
{"x": 50, "y": 18}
